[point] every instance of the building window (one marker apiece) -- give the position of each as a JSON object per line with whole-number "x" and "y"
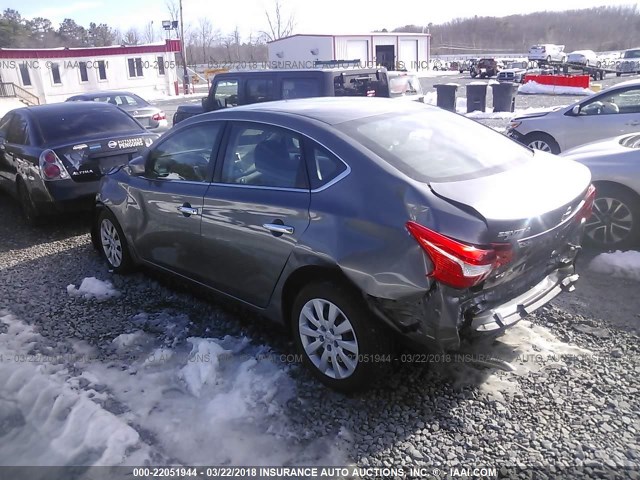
{"x": 24, "y": 75}
{"x": 84, "y": 75}
{"x": 102, "y": 70}
{"x": 135, "y": 67}
{"x": 55, "y": 73}
{"x": 160, "y": 65}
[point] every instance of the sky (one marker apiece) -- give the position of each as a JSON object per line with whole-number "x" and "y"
{"x": 328, "y": 16}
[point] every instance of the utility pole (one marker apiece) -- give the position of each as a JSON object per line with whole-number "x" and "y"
{"x": 185, "y": 78}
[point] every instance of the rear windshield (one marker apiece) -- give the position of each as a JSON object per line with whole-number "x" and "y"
{"x": 437, "y": 146}
{"x": 404, "y": 85}
{"x": 62, "y": 126}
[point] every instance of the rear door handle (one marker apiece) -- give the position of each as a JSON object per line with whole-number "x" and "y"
{"x": 275, "y": 228}
{"x": 187, "y": 210}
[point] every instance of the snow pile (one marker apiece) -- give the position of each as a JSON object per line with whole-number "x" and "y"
{"x": 537, "y": 88}
{"x": 618, "y": 264}
{"x": 161, "y": 398}
{"x": 44, "y": 420}
{"x": 91, "y": 287}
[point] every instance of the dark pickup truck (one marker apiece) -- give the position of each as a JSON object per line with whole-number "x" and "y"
{"x": 244, "y": 87}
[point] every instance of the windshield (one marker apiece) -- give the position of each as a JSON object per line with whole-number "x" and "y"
{"x": 631, "y": 54}
{"x": 404, "y": 85}
{"x": 438, "y": 146}
{"x": 64, "y": 126}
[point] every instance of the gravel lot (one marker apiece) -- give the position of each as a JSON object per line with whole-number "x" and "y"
{"x": 570, "y": 407}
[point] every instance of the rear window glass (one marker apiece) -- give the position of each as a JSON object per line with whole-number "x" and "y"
{"x": 356, "y": 85}
{"x": 73, "y": 124}
{"x": 433, "y": 145}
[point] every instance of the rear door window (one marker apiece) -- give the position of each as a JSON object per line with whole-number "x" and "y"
{"x": 300, "y": 88}
{"x": 260, "y": 90}
{"x": 323, "y": 166}
{"x": 18, "y": 131}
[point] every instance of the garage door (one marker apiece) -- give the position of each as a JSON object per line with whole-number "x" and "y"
{"x": 358, "y": 50}
{"x": 408, "y": 54}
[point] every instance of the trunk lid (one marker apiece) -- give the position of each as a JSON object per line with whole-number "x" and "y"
{"x": 88, "y": 161}
{"x": 532, "y": 207}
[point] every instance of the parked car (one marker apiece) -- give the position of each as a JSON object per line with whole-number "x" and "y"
{"x": 548, "y": 53}
{"x": 611, "y": 112}
{"x": 629, "y": 62}
{"x": 514, "y": 72}
{"x": 615, "y": 170}
{"x": 354, "y": 222}
{"x": 465, "y": 65}
{"x": 245, "y": 87}
{"x": 486, "y": 67}
{"x": 53, "y": 156}
{"x": 588, "y": 58}
{"x": 152, "y": 118}
{"x": 404, "y": 85}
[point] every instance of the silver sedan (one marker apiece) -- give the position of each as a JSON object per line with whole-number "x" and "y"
{"x": 614, "y": 111}
{"x": 615, "y": 169}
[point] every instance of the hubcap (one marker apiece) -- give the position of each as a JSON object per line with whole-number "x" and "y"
{"x": 540, "y": 145}
{"x": 328, "y": 338}
{"x": 111, "y": 244}
{"x": 611, "y": 221}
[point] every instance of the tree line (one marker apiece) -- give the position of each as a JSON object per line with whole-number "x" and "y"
{"x": 600, "y": 29}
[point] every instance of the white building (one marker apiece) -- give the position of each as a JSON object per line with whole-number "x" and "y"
{"x": 54, "y": 74}
{"x": 396, "y": 51}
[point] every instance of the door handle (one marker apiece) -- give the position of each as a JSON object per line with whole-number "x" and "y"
{"x": 634, "y": 123}
{"x": 275, "y": 228}
{"x": 187, "y": 210}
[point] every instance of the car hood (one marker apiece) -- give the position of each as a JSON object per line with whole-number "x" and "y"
{"x": 530, "y": 190}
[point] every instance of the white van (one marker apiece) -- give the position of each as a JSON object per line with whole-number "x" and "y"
{"x": 548, "y": 52}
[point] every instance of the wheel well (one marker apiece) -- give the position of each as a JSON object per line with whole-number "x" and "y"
{"x": 619, "y": 186}
{"x": 537, "y": 133}
{"x": 302, "y": 277}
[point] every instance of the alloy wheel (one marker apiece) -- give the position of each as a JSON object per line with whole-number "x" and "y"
{"x": 611, "y": 222}
{"x": 328, "y": 338}
{"x": 540, "y": 145}
{"x": 111, "y": 243}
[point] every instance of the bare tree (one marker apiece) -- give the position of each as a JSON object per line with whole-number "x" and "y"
{"x": 236, "y": 41}
{"x": 149, "y": 33}
{"x": 131, "y": 37}
{"x": 205, "y": 32}
{"x": 280, "y": 24}
{"x": 173, "y": 8}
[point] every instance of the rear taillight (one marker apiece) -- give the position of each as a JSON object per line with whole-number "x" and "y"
{"x": 159, "y": 116}
{"x": 587, "y": 207}
{"x": 457, "y": 264}
{"x": 51, "y": 167}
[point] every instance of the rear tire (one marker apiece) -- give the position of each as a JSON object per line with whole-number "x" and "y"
{"x": 543, "y": 142}
{"x": 30, "y": 212}
{"x": 341, "y": 355}
{"x": 113, "y": 244}
{"x": 615, "y": 223}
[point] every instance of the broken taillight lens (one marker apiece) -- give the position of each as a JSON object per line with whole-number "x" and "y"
{"x": 587, "y": 207}
{"x": 458, "y": 264}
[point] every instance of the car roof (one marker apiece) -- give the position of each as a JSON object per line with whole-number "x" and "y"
{"x": 627, "y": 83}
{"x": 103, "y": 93}
{"x": 281, "y": 71}
{"x": 70, "y": 107}
{"x": 329, "y": 110}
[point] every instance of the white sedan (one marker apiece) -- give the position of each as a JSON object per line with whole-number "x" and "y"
{"x": 612, "y": 112}
{"x": 588, "y": 58}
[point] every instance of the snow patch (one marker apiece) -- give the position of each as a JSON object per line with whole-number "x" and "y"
{"x": 91, "y": 287}
{"x": 618, "y": 264}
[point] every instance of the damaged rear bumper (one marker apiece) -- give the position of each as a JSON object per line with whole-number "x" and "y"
{"x": 441, "y": 318}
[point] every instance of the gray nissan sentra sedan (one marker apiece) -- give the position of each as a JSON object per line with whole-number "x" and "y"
{"x": 353, "y": 221}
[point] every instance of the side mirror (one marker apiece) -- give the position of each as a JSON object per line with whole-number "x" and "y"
{"x": 138, "y": 165}
{"x": 576, "y": 110}
{"x": 206, "y": 104}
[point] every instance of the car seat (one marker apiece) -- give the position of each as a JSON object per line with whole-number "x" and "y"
{"x": 276, "y": 166}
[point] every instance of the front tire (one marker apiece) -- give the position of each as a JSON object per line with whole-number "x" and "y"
{"x": 338, "y": 338}
{"x": 543, "y": 142}
{"x": 113, "y": 244}
{"x": 615, "y": 223}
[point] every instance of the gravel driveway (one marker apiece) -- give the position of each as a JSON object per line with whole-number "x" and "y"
{"x": 569, "y": 407}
